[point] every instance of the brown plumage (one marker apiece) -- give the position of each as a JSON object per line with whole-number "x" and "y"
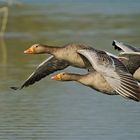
{"x": 112, "y": 71}
{"x": 130, "y": 57}
{"x": 93, "y": 80}
{"x": 61, "y": 58}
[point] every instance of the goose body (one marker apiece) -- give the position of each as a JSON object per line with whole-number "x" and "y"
{"x": 132, "y": 57}
{"x": 67, "y": 53}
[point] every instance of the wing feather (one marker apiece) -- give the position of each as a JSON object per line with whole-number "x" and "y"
{"x": 124, "y": 47}
{"x": 115, "y": 73}
{"x": 47, "y": 67}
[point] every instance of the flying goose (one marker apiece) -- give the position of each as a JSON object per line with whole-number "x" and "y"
{"x": 61, "y": 58}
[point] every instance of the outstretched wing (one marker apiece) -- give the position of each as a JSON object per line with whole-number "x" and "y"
{"x": 124, "y": 47}
{"x": 47, "y": 67}
{"x": 114, "y": 72}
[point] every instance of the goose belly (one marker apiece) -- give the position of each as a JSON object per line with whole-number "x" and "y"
{"x": 98, "y": 83}
{"x": 136, "y": 75}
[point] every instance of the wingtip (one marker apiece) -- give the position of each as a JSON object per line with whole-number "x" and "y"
{"x": 137, "y": 95}
{"x": 15, "y": 88}
{"x": 116, "y": 47}
{"x": 114, "y": 43}
{"x": 137, "y": 99}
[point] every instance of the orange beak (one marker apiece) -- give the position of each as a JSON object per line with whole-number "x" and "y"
{"x": 29, "y": 51}
{"x": 56, "y": 77}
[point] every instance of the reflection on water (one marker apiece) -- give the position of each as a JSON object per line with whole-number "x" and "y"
{"x": 3, "y": 51}
{"x": 57, "y": 110}
{"x": 4, "y": 12}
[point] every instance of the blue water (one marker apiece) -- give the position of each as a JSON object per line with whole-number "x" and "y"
{"x": 90, "y": 6}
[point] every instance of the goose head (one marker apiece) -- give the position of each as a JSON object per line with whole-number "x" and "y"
{"x": 36, "y": 49}
{"x": 64, "y": 77}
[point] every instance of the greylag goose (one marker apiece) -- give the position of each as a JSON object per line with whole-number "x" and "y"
{"x": 130, "y": 57}
{"x": 93, "y": 80}
{"x": 61, "y": 58}
{"x": 109, "y": 75}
